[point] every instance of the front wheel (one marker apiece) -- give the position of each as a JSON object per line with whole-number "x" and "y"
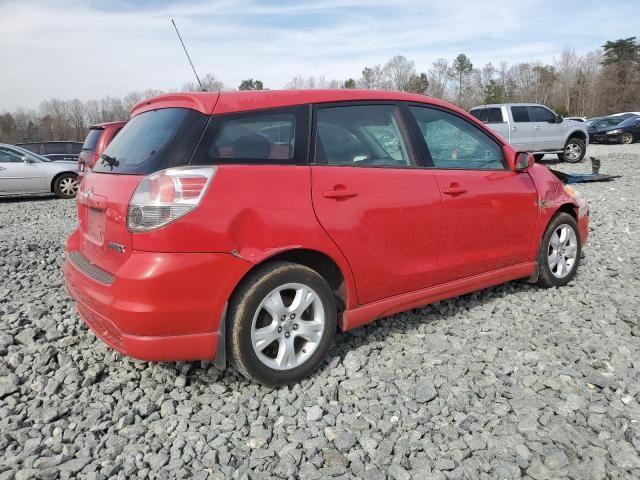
{"x": 66, "y": 185}
{"x": 282, "y": 322}
{"x": 626, "y": 138}
{"x": 574, "y": 151}
{"x": 559, "y": 252}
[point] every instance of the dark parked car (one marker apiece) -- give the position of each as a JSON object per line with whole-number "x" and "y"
{"x": 627, "y": 131}
{"x": 98, "y": 138}
{"x": 56, "y": 150}
{"x": 600, "y": 125}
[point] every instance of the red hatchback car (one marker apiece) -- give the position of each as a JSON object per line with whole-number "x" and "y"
{"x": 98, "y": 138}
{"x": 250, "y": 225}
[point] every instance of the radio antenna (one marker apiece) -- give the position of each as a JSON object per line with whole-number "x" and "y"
{"x": 188, "y": 57}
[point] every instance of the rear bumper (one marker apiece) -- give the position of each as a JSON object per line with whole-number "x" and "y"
{"x": 159, "y": 306}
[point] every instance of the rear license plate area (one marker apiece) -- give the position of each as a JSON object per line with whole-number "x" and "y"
{"x": 95, "y": 224}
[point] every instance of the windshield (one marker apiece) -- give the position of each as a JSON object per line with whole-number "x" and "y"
{"x": 27, "y": 153}
{"x": 607, "y": 122}
{"x": 629, "y": 122}
{"x": 153, "y": 141}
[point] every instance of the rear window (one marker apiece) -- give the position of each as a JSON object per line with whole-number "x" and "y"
{"x": 56, "y": 147}
{"x": 152, "y": 141}
{"x": 481, "y": 114}
{"x": 92, "y": 139}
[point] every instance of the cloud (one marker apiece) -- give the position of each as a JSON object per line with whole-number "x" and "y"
{"x": 89, "y": 49}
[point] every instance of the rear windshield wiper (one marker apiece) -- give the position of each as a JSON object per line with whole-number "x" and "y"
{"x": 110, "y": 161}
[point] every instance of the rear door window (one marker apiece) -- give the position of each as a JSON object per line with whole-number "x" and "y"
{"x": 152, "y": 141}
{"x": 271, "y": 136}
{"x": 481, "y": 114}
{"x": 520, "y": 114}
{"x": 494, "y": 115}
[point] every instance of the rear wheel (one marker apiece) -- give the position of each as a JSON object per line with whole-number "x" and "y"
{"x": 626, "y": 138}
{"x": 282, "y": 322}
{"x": 66, "y": 185}
{"x": 559, "y": 252}
{"x": 573, "y": 151}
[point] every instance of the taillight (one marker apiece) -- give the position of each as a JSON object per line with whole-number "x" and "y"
{"x": 167, "y": 195}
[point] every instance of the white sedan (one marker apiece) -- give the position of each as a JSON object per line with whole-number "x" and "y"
{"x": 23, "y": 172}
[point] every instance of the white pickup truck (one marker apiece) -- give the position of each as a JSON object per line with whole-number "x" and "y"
{"x": 534, "y": 128}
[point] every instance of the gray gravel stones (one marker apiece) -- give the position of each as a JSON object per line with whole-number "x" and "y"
{"x": 510, "y": 382}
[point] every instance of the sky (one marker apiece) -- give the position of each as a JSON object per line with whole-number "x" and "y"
{"x": 95, "y": 48}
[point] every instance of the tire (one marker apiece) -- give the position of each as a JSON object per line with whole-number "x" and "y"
{"x": 551, "y": 275}
{"x": 626, "y": 138}
{"x": 305, "y": 334}
{"x": 574, "y": 151}
{"x": 66, "y": 185}
{"x": 538, "y": 156}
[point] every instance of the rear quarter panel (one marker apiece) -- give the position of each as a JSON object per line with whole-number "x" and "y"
{"x": 254, "y": 212}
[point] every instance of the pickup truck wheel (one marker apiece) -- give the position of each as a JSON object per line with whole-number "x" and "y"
{"x": 574, "y": 151}
{"x": 282, "y": 322}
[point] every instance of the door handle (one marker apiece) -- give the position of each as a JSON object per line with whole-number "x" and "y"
{"x": 454, "y": 190}
{"x": 537, "y": 127}
{"x": 339, "y": 194}
{"x": 2, "y": 168}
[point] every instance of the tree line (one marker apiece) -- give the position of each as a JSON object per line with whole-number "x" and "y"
{"x": 601, "y": 82}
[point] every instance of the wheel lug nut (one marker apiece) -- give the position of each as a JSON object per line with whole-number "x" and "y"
{"x": 283, "y": 318}
{"x": 295, "y": 326}
{"x": 279, "y": 329}
{"x": 287, "y": 335}
{"x": 293, "y": 315}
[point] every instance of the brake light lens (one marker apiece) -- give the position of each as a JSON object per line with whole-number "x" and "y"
{"x": 167, "y": 195}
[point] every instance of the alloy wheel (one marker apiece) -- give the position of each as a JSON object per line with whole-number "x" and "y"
{"x": 627, "y": 138}
{"x": 563, "y": 251}
{"x": 572, "y": 151}
{"x": 288, "y": 326}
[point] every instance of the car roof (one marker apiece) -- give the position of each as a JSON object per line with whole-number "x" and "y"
{"x": 227, "y": 102}
{"x": 497, "y": 105}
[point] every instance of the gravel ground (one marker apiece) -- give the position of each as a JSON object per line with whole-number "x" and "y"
{"x": 513, "y": 381}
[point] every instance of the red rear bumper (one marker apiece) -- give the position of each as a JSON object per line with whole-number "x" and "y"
{"x": 159, "y": 306}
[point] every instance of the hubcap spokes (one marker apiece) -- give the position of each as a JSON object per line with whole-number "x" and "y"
{"x": 69, "y": 186}
{"x": 287, "y": 326}
{"x": 627, "y": 138}
{"x": 563, "y": 251}
{"x": 572, "y": 151}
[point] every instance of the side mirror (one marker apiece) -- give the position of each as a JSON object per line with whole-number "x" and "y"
{"x": 524, "y": 160}
{"x": 26, "y": 159}
{"x": 559, "y": 119}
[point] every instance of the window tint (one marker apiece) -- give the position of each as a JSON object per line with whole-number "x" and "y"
{"x": 520, "y": 114}
{"x": 455, "y": 143}
{"x": 92, "y": 139}
{"x": 481, "y": 114}
{"x": 360, "y": 136}
{"x": 541, "y": 114}
{"x": 56, "y": 147}
{"x": 32, "y": 147}
{"x": 261, "y": 136}
{"x": 152, "y": 141}
{"x": 494, "y": 115}
{"x": 9, "y": 156}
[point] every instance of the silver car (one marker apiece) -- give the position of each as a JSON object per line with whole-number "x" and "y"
{"x": 24, "y": 172}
